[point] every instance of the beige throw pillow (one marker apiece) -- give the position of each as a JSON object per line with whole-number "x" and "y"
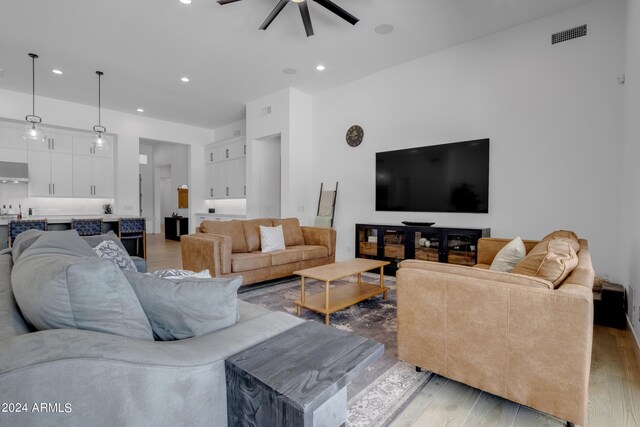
{"x": 510, "y": 255}
{"x": 564, "y": 234}
{"x": 552, "y": 260}
{"x": 271, "y": 238}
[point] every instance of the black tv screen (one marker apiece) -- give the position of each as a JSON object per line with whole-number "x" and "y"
{"x": 437, "y": 178}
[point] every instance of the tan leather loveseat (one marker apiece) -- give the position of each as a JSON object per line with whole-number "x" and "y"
{"x": 516, "y": 336}
{"x": 232, "y": 248}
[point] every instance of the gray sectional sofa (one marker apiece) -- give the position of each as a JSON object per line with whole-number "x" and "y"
{"x": 70, "y": 377}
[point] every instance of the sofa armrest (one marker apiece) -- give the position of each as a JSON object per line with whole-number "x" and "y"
{"x": 321, "y": 237}
{"x": 111, "y": 380}
{"x": 488, "y": 248}
{"x": 207, "y": 251}
{"x": 528, "y": 345}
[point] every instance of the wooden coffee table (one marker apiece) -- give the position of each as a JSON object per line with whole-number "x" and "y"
{"x": 345, "y": 295}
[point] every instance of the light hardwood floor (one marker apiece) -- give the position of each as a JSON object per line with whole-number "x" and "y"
{"x": 614, "y": 387}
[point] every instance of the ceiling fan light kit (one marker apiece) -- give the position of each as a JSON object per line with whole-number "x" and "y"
{"x": 303, "y": 5}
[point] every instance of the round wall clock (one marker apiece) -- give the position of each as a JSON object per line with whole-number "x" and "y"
{"x": 355, "y": 135}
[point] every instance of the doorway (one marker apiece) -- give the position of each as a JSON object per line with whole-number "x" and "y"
{"x": 269, "y": 175}
{"x": 166, "y": 169}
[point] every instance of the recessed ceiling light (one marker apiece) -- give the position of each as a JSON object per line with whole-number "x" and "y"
{"x": 56, "y": 71}
{"x": 140, "y": 110}
{"x": 320, "y": 68}
{"x": 185, "y": 1}
{"x": 185, "y": 79}
{"x": 383, "y": 29}
{"x": 290, "y": 71}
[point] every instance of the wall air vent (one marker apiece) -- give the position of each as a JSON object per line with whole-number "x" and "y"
{"x": 565, "y": 35}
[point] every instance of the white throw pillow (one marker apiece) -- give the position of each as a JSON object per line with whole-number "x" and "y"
{"x": 271, "y": 239}
{"x": 509, "y": 256}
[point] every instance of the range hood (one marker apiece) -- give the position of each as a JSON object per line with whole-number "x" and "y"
{"x": 13, "y": 173}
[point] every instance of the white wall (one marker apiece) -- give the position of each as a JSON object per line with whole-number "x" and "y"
{"x": 553, "y": 113}
{"x": 129, "y": 128}
{"x": 147, "y": 186}
{"x": 630, "y": 212}
{"x": 290, "y": 119}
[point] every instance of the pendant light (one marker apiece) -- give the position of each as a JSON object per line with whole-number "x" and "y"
{"x": 32, "y": 131}
{"x": 99, "y": 141}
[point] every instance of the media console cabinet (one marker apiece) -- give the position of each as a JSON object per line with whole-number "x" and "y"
{"x": 395, "y": 243}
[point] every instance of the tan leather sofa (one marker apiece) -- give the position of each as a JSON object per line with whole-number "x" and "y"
{"x": 511, "y": 335}
{"x": 232, "y": 248}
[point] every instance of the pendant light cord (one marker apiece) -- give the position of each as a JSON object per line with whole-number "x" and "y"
{"x": 99, "y": 73}
{"x": 33, "y": 83}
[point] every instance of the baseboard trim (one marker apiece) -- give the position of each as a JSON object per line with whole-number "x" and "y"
{"x": 633, "y": 332}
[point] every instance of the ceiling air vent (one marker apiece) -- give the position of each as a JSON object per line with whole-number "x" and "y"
{"x": 565, "y": 35}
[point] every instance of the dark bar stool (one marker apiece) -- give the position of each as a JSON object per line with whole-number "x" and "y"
{"x": 87, "y": 226}
{"x": 17, "y": 226}
{"x": 134, "y": 228}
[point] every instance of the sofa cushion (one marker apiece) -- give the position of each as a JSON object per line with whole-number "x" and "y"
{"x": 292, "y": 231}
{"x": 24, "y": 241}
{"x": 510, "y": 255}
{"x": 271, "y": 239}
{"x": 232, "y": 229}
{"x": 252, "y": 261}
{"x": 552, "y": 260}
{"x": 286, "y": 256}
{"x": 312, "y": 252}
{"x": 478, "y": 273}
{"x": 94, "y": 241}
{"x": 60, "y": 283}
{"x": 252, "y": 232}
{"x": 564, "y": 234}
{"x": 186, "y": 308}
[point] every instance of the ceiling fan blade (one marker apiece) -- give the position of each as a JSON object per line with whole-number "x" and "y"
{"x": 227, "y": 1}
{"x": 306, "y": 18}
{"x": 273, "y": 14}
{"x": 338, "y": 11}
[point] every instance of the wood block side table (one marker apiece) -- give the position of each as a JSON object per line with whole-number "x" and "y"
{"x": 297, "y": 378}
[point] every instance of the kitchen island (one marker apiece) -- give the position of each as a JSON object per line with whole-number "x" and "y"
{"x": 63, "y": 222}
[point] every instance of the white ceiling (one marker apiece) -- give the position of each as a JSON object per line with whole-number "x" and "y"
{"x": 145, "y": 46}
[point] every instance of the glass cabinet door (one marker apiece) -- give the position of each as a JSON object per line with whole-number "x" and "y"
{"x": 368, "y": 242}
{"x": 394, "y": 245}
{"x": 462, "y": 249}
{"x": 427, "y": 245}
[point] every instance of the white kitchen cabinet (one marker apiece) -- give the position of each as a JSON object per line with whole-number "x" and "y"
{"x": 11, "y": 138}
{"x": 54, "y": 142}
{"x": 225, "y": 169}
{"x": 209, "y": 153}
{"x": 50, "y": 174}
{"x": 102, "y": 177}
{"x": 82, "y": 176}
{"x": 92, "y": 176}
{"x": 83, "y": 145}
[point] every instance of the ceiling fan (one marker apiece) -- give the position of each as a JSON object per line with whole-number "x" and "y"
{"x": 304, "y": 12}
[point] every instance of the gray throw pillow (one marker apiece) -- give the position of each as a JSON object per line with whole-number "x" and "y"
{"x": 110, "y": 250}
{"x": 187, "y": 308}
{"x": 94, "y": 241}
{"x": 60, "y": 283}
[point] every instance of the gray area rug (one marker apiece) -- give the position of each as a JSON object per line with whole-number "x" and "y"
{"x": 387, "y": 385}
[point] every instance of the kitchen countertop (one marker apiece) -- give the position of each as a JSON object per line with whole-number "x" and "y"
{"x": 63, "y": 219}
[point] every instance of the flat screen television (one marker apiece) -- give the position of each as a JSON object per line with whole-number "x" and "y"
{"x": 437, "y": 178}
